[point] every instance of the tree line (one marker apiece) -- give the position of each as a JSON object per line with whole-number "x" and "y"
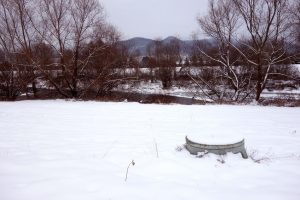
{"x": 253, "y": 38}
{"x": 68, "y": 47}
{"x": 252, "y": 42}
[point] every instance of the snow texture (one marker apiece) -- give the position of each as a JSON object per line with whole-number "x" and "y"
{"x": 59, "y": 150}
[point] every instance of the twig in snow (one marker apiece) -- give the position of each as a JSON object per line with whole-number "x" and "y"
{"x": 131, "y": 163}
{"x": 256, "y": 158}
{"x": 156, "y": 148}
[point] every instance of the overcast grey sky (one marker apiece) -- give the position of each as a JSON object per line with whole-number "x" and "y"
{"x": 155, "y": 18}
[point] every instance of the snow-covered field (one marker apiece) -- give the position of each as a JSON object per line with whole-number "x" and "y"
{"x": 64, "y": 150}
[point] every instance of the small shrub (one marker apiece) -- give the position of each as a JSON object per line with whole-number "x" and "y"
{"x": 256, "y": 158}
{"x": 180, "y": 148}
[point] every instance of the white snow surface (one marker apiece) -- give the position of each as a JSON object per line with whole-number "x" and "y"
{"x": 65, "y": 150}
{"x": 215, "y": 137}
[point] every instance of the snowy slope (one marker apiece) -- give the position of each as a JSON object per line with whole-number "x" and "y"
{"x": 59, "y": 150}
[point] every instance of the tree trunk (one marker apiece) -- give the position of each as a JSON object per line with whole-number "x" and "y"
{"x": 75, "y": 74}
{"x": 259, "y": 78}
{"x": 34, "y": 89}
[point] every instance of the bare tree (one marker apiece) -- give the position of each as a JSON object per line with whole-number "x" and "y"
{"x": 16, "y": 39}
{"x": 77, "y": 32}
{"x": 295, "y": 22}
{"x": 265, "y": 22}
{"x": 173, "y": 51}
{"x": 166, "y": 54}
{"x": 86, "y": 15}
{"x": 65, "y": 44}
{"x": 154, "y": 51}
{"x": 221, "y": 25}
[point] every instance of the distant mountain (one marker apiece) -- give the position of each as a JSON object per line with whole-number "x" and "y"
{"x": 139, "y": 44}
{"x": 169, "y": 39}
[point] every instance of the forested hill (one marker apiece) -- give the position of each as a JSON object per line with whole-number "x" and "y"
{"x": 140, "y": 44}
